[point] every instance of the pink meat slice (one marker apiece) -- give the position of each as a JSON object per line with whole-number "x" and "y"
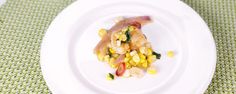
{"x": 138, "y": 21}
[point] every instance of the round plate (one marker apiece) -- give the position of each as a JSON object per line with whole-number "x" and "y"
{"x": 69, "y": 65}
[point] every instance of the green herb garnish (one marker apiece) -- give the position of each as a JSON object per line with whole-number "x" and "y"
{"x": 112, "y": 76}
{"x": 158, "y": 56}
{"x": 128, "y": 36}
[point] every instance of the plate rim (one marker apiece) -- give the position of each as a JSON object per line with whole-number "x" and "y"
{"x": 61, "y": 14}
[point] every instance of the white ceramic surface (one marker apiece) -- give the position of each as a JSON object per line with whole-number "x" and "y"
{"x": 70, "y": 67}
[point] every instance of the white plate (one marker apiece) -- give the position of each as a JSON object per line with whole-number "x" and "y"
{"x": 69, "y": 65}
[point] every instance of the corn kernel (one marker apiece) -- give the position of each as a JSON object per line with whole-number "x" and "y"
{"x": 112, "y": 50}
{"x": 115, "y": 55}
{"x": 113, "y": 65}
{"x": 131, "y": 28}
{"x": 151, "y": 70}
{"x": 142, "y": 60}
{"x": 143, "y": 50}
{"x": 145, "y": 64}
{"x": 136, "y": 58}
{"x": 133, "y": 53}
{"x": 123, "y": 37}
{"x": 127, "y": 65}
{"x": 127, "y": 55}
{"x": 100, "y": 57}
{"x": 126, "y": 59}
{"x": 106, "y": 58}
{"x": 142, "y": 56}
{"x": 151, "y": 58}
{"x": 149, "y": 51}
{"x": 132, "y": 63}
{"x": 170, "y": 54}
{"x": 102, "y": 32}
{"x": 112, "y": 60}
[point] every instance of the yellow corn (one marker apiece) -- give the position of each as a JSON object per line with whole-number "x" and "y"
{"x": 127, "y": 55}
{"x": 132, "y": 63}
{"x": 142, "y": 60}
{"x": 133, "y": 53}
{"x": 123, "y": 37}
{"x": 102, "y": 32}
{"x": 142, "y": 56}
{"x": 143, "y": 50}
{"x": 112, "y": 60}
{"x": 151, "y": 58}
{"x": 170, "y": 54}
{"x": 112, "y": 50}
{"x": 115, "y": 55}
{"x": 131, "y": 28}
{"x": 149, "y": 51}
{"x": 126, "y": 59}
{"x": 111, "y": 63}
{"x": 106, "y": 58}
{"x": 145, "y": 64}
{"x": 136, "y": 58}
{"x": 151, "y": 70}
{"x": 100, "y": 57}
{"x": 127, "y": 65}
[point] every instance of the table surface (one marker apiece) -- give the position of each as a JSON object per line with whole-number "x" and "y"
{"x": 23, "y": 24}
{"x": 2, "y": 2}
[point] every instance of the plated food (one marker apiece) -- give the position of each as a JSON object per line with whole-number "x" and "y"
{"x": 126, "y": 48}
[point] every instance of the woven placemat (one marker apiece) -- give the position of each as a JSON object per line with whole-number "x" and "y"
{"x": 23, "y": 24}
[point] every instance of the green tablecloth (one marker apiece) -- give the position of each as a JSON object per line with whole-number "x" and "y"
{"x": 23, "y": 24}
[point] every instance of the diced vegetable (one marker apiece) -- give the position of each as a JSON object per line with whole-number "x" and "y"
{"x": 149, "y": 51}
{"x": 110, "y": 76}
{"x": 151, "y": 70}
{"x": 132, "y": 53}
{"x": 127, "y": 54}
{"x": 170, "y": 54}
{"x": 100, "y": 57}
{"x": 107, "y": 58}
{"x": 127, "y": 65}
{"x": 112, "y": 51}
{"x": 112, "y": 60}
{"x": 136, "y": 58}
{"x": 121, "y": 69}
{"x": 102, "y": 32}
{"x": 143, "y": 50}
{"x": 131, "y": 28}
{"x": 145, "y": 64}
{"x": 151, "y": 58}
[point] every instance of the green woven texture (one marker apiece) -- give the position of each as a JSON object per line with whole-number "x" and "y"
{"x": 23, "y": 24}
